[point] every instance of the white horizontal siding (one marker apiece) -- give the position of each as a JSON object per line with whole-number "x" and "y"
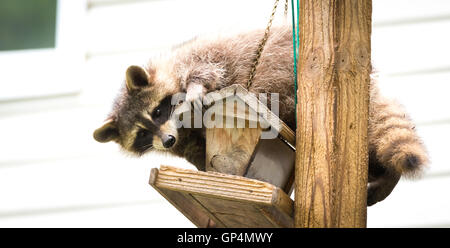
{"x": 424, "y": 96}
{"x": 95, "y": 190}
{"x": 63, "y": 132}
{"x": 82, "y": 187}
{"x": 145, "y": 25}
{"x": 391, "y": 13}
{"x": 105, "y": 74}
{"x": 133, "y": 215}
{"x": 422, "y": 203}
{"x": 53, "y": 174}
{"x": 409, "y": 48}
{"x": 53, "y": 135}
{"x": 435, "y": 138}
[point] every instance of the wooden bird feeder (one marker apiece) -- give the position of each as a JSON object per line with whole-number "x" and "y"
{"x": 332, "y": 156}
{"x": 254, "y": 144}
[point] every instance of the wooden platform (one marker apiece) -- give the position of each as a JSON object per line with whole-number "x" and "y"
{"x": 211, "y": 199}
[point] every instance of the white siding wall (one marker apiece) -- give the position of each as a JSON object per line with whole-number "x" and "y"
{"x": 52, "y": 173}
{"x": 410, "y": 50}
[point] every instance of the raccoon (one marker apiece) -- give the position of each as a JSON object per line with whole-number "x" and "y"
{"x": 141, "y": 121}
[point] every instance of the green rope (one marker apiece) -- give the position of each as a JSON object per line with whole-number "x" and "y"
{"x": 295, "y": 41}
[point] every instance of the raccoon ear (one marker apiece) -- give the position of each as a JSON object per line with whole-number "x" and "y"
{"x": 107, "y": 132}
{"x": 136, "y": 78}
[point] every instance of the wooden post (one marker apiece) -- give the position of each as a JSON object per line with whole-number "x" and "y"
{"x": 332, "y": 113}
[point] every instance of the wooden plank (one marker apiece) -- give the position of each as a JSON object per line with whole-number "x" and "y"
{"x": 332, "y": 113}
{"x": 230, "y": 201}
{"x": 183, "y": 202}
{"x": 234, "y": 213}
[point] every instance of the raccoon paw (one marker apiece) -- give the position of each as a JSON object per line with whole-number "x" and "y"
{"x": 372, "y": 197}
{"x": 223, "y": 164}
{"x": 233, "y": 165}
{"x": 382, "y": 186}
{"x": 375, "y": 194}
{"x": 194, "y": 95}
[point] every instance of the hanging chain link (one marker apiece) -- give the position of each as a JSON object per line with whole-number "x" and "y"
{"x": 286, "y": 7}
{"x": 263, "y": 43}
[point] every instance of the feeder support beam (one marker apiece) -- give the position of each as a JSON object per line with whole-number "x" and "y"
{"x": 332, "y": 113}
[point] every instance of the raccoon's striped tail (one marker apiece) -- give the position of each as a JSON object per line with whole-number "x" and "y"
{"x": 393, "y": 138}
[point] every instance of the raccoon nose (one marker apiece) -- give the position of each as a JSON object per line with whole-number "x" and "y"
{"x": 168, "y": 141}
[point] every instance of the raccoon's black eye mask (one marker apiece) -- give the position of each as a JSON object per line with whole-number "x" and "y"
{"x": 142, "y": 133}
{"x": 156, "y": 113}
{"x": 143, "y": 141}
{"x": 144, "y": 136}
{"x": 162, "y": 113}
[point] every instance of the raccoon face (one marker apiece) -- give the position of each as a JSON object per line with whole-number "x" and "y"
{"x": 141, "y": 116}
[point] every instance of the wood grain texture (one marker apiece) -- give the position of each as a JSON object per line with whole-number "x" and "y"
{"x": 332, "y": 113}
{"x": 221, "y": 200}
{"x": 190, "y": 209}
{"x": 235, "y": 122}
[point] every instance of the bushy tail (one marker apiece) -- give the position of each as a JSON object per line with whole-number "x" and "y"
{"x": 393, "y": 137}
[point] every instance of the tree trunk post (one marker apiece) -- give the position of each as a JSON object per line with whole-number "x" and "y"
{"x": 332, "y": 113}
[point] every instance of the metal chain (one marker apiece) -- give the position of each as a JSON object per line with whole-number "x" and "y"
{"x": 286, "y": 7}
{"x": 262, "y": 44}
